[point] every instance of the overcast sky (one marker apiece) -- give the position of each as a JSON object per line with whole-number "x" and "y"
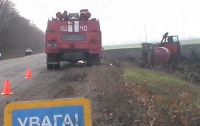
{"x": 124, "y": 21}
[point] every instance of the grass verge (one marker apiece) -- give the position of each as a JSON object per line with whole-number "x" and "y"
{"x": 169, "y": 100}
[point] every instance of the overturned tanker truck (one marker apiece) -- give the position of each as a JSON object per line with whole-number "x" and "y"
{"x": 72, "y": 37}
{"x": 161, "y": 54}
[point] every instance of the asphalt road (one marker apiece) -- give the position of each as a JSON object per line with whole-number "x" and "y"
{"x": 41, "y": 86}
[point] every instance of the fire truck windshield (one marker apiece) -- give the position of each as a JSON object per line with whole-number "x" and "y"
{"x": 74, "y": 37}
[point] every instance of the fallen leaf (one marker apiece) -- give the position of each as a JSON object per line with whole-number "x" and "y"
{"x": 184, "y": 121}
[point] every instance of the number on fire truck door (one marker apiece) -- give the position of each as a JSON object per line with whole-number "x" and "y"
{"x": 83, "y": 28}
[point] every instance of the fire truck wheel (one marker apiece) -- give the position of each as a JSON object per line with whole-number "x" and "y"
{"x": 57, "y": 66}
{"x": 93, "y": 60}
{"x": 49, "y": 66}
{"x": 96, "y": 60}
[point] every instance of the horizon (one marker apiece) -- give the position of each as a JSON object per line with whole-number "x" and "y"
{"x": 156, "y": 41}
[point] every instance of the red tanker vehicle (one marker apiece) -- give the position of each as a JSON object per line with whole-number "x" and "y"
{"x": 163, "y": 53}
{"x": 72, "y": 37}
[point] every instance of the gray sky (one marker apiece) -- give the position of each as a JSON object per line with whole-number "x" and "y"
{"x": 124, "y": 21}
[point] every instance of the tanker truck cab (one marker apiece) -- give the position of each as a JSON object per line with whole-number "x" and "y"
{"x": 172, "y": 44}
{"x": 173, "y": 39}
{"x": 72, "y": 37}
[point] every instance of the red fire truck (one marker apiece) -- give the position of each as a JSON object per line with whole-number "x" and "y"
{"x": 72, "y": 37}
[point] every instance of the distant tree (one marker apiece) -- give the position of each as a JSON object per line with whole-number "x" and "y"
{"x": 25, "y": 35}
{"x": 7, "y": 12}
{"x": 17, "y": 32}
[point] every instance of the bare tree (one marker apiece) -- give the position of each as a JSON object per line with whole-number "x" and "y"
{"x": 17, "y": 32}
{"x": 7, "y": 12}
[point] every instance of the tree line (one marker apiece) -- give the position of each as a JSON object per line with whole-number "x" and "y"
{"x": 17, "y": 33}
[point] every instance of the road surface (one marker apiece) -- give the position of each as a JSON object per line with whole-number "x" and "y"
{"x": 43, "y": 85}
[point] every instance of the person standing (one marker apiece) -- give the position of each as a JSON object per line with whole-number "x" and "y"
{"x": 193, "y": 52}
{"x": 164, "y": 37}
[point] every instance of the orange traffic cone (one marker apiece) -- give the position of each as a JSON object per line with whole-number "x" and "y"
{"x": 28, "y": 74}
{"x": 6, "y": 90}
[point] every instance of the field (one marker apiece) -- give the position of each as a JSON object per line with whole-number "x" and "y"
{"x": 157, "y": 97}
{"x": 187, "y": 67}
{"x": 138, "y": 45}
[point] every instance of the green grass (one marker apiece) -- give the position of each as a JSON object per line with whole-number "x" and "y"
{"x": 160, "y": 84}
{"x": 122, "y": 46}
{"x": 142, "y": 75}
{"x": 192, "y": 41}
{"x": 183, "y": 42}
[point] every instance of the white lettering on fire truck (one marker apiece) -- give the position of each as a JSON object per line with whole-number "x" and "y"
{"x": 63, "y": 28}
{"x": 76, "y": 26}
{"x": 73, "y": 28}
{"x": 83, "y": 28}
{"x": 70, "y": 29}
